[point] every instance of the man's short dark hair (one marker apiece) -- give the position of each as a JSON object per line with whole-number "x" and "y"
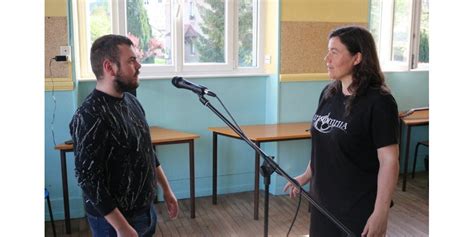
{"x": 106, "y": 47}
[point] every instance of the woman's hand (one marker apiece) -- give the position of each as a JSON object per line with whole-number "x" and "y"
{"x": 291, "y": 189}
{"x": 301, "y": 179}
{"x": 376, "y": 224}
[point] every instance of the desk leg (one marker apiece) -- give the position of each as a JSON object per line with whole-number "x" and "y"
{"x": 256, "y": 190}
{"x": 191, "y": 175}
{"x": 407, "y": 153}
{"x": 65, "y": 192}
{"x": 214, "y": 168}
{"x": 400, "y": 141}
{"x": 157, "y": 189}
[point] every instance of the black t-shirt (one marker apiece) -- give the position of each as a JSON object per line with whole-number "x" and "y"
{"x": 344, "y": 159}
{"x": 115, "y": 162}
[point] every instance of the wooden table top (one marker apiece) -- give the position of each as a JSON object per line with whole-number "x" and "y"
{"x": 158, "y": 135}
{"x": 162, "y": 135}
{"x": 269, "y": 132}
{"x": 65, "y": 147}
{"x": 417, "y": 117}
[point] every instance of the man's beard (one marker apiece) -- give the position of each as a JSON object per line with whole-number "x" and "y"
{"x": 122, "y": 84}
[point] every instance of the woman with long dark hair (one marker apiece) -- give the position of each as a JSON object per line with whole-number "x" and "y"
{"x": 354, "y": 157}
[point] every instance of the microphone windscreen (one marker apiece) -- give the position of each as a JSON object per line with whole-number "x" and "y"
{"x": 176, "y": 81}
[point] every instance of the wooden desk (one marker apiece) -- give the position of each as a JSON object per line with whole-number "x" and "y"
{"x": 417, "y": 118}
{"x": 159, "y": 136}
{"x": 258, "y": 134}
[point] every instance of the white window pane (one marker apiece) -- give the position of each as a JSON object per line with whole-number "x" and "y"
{"x": 423, "y": 55}
{"x": 149, "y": 28}
{"x": 99, "y": 20}
{"x": 375, "y": 23}
{"x": 401, "y": 33}
{"x": 204, "y": 31}
{"x": 247, "y": 39}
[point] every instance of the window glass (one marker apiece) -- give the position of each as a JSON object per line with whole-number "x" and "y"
{"x": 375, "y": 20}
{"x": 204, "y": 31}
{"x": 149, "y": 28}
{"x": 401, "y": 33}
{"x": 424, "y": 47}
{"x": 99, "y": 19}
{"x": 247, "y": 39}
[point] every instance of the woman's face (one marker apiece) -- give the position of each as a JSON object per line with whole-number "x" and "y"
{"x": 339, "y": 60}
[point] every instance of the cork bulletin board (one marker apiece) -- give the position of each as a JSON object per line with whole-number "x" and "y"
{"x": 55, "y": 32}
{"x": 304, "y": 46}
{"x": 56, "y": 35}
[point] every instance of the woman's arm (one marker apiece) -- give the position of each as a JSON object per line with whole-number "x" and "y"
{"x": 386, "y": 183}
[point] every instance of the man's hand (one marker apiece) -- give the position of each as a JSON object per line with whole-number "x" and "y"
{"x": 120, "y": 224}
{"x": 171, "y": 204}
{"x": 127, "y": 231}
{"x": 170, "y": 199}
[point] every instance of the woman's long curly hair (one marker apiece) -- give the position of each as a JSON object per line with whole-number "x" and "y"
{"x": 367, "y": 74}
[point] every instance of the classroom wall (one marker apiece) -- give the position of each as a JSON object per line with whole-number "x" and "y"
{"x": 55, "y": 8}
{"x": 324, "y": 10}
{"x": 58, "y": 109}
{"x": 270, "y": 45}
{"x": 252, "y": 100}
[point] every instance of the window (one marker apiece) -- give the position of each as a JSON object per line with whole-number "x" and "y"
{"x": 185, "y": 37}
{"x": 401, "y": 32}
{"x": 191, "y": 10}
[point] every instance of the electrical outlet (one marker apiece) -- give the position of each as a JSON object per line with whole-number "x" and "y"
{"x": 66, "y": 51}
{"x": 268, "y": 59}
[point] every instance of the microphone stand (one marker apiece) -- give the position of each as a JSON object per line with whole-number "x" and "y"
{"x": 266, "y": 170}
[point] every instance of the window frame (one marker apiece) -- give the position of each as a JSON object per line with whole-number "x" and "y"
{"x": 384, "y": 46}
{"x": 178, "y": 67}
{"x": 416, "y": 24}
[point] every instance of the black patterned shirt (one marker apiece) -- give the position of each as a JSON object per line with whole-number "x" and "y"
{"x": 115, "y": 162}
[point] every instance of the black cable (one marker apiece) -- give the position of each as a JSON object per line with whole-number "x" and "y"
{"x": 296, "y": 213}
{"x": 235, "y": 123}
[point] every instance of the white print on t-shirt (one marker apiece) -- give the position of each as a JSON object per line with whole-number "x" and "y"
{"x": 325, "y": 124}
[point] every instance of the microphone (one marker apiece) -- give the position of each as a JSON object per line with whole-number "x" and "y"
{"x": 179, "y": 82}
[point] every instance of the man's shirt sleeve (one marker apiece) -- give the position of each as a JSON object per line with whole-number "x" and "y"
{"x": 89, "y": 135}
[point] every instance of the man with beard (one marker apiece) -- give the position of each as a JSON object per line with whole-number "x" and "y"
{"x": 116, "y": 166}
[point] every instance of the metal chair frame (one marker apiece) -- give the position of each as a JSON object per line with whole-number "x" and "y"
{"x": 46, "y": 196}
{"x": 424, "y": 143}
